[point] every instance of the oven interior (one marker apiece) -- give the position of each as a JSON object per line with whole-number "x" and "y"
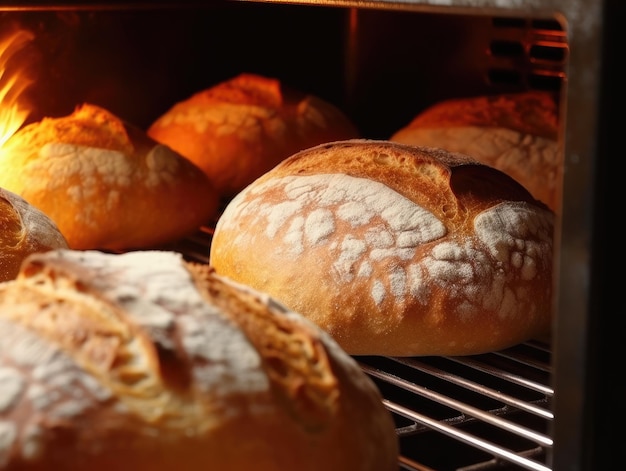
{"x": 381, "y": 63}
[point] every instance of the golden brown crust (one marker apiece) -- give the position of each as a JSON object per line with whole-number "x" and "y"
{"x": 295, "y": 360}
{"x": 395, "y": 249}
{"x": 23, "y": 230}
{"x": 533, "y": 113}
{"x": 141, "y": 361}
{"x": 516, "y": 133}
{"x": 238, "y": 129}
{"x": 104, "y": 182}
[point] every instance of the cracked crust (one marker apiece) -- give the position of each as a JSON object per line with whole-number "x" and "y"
{"x": 145, "y": 361}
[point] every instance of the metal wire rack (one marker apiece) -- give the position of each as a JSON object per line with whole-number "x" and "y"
{"x": 483, "y": 412}
{"x": 475, "y": 413}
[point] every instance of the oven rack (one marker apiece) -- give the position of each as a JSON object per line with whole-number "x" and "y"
{"x": 475, "y": 413}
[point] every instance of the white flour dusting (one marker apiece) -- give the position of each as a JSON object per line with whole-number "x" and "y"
{"x": 373, "y": 234}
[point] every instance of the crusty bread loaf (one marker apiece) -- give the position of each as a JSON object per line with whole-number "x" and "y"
{"x": 516, "y": 133}
{"x": 23, "y": 230}
{"x": 143, "y": 362}
{"x": 105, "y": 183}
{"x": 238, "y": 129}
{"x": 395, "y": 249}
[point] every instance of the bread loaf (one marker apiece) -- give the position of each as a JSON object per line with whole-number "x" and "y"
{"x": 240, "y": 128}
{"x": 395, "y": 249}
{"x": 105, "y": 183}
{"x": 23, "y": 230}
{"x": 516, "y": 133}
{"x": 143, "y": 362}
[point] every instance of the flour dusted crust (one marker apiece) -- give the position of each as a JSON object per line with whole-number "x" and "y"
{"x": 238, "y": 129}
{"x": 395, "y": 249}
{"x": 105, "y": 183}
{"x": 516, "y": 133}
{"x": 23, "y": 230}
{"x": 141, "y": 361}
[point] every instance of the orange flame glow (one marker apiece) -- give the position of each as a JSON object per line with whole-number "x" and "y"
{"x": 12, "y": 113}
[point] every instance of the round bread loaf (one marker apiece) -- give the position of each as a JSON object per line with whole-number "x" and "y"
{"x": 23, "y": 230}
{"x": 105, "y": 183}
{"x": 395, "y": 249}
{"x": 240, "y": 128}
{"x": 141, "y": 361}
{"x": 516, "y": 133}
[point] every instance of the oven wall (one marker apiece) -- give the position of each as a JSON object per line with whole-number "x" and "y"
{"x": 381, "y": 67}
{"x": 138, "y": 62}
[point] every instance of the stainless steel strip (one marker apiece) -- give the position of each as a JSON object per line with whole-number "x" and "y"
{"x": 411, "y": 465}
{"x": 523, "y": 359}
{"x": 499, "y": 373}
{"x": 496, "y": 463}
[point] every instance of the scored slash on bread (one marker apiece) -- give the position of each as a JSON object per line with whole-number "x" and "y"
{"x": 516, "y": 133}
{"x": 142, "y": 361}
